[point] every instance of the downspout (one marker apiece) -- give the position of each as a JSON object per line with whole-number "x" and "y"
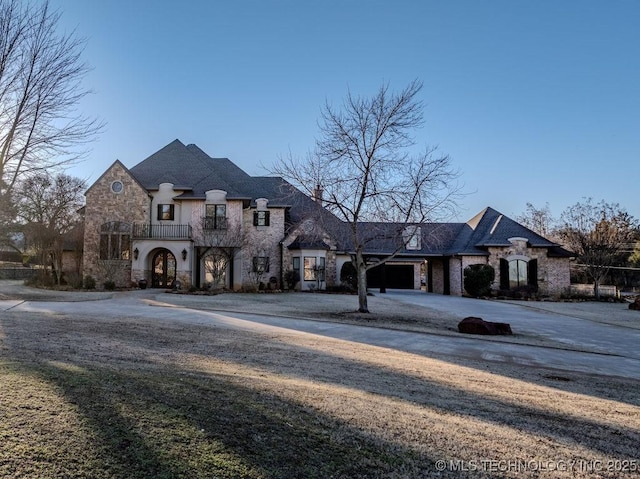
{"x": 281, "y": 265}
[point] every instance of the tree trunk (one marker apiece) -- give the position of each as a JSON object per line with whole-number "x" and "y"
{"x": 361, "y": 268}
{"x": 596, "y": 289}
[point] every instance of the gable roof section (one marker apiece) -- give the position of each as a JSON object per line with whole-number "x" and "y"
{"x": 190, "y": 169}
{"x": 114, "y": 164}
{"x": 492, "y": 228}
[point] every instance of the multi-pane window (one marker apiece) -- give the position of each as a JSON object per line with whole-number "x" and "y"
{"x": 309, "y": 268}
{"x": 215, "y": 217}
{"x": 518, "y": 273}
{"x": 166, "y": 212}
{"x": 260, "y": 264}
{"x": 115, "y": 240}
{"x": 261, "y": 218}
{"x": 314, "y": 268}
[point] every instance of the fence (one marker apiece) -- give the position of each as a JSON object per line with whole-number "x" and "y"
{"x": 17, "y": 273}
{"x": 606, "y": 290}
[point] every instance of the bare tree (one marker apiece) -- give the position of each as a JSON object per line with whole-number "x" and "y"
{"x": 41, "y": 75}
{"x": 539, "y": 220}
{"x": 220, "y": 241}
{"x": 364, "y": 166}
{"x": 597, "y": 233}
{"x": 48, "y": 207}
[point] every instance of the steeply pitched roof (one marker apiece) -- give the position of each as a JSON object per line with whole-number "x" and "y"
{"x": 488, "y": 228}
{"x": 492, "y": 228}
{"x": 190, "y": 169}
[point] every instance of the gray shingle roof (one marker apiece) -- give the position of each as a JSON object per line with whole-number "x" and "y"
{"x": 189, "y": 168}
{"x": 192, "y": 170}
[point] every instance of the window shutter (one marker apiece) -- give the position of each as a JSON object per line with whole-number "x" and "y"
{"x": 504, "y": 274}
{"x": 159, "y": 212}
{"x": 533, "y": 273}
{"x": 255, "y": 264}
{"x": 266, "y": 218}
{"x": 255, "y": 218}
{"x": 266, "y": 263}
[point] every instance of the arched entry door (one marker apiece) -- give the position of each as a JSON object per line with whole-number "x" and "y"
{"x": 164, "y": 269}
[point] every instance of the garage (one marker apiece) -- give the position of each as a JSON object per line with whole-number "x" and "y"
{"x": 398, "y": 276}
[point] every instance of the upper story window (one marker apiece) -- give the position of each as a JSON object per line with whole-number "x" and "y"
{"x": 166, "y": 212}
{"x": 117, "y": 187}
{"x": 215, "y": 217}
{"x": 261, "y": 218}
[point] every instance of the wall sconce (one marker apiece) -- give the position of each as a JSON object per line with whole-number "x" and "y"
{"x": 135, "y": 253}
{"x": 184, "y": 255}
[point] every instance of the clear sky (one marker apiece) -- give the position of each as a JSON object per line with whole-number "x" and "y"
{"x": 535, "y": 101}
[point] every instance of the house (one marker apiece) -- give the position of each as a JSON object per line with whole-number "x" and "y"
{"x": 183, "y": 216}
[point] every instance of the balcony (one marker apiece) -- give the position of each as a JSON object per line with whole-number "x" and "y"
{"x": 169, "y": 232}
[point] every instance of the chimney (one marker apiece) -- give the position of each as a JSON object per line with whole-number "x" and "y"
{"x": 317, "y": 194}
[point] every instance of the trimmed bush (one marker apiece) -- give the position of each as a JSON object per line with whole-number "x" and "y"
{"x": 109, "y": 285}
{"x": 291, "y": 277}
{"x": 89, "y": 282}
{"x": 349, "y": 275}
{"x": 478, "y": 279}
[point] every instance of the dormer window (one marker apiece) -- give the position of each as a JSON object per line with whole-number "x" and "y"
{"x": 166, "y": 212}
{"x": 411, "y": 237}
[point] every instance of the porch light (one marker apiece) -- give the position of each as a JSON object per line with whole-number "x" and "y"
{"x": 135, "y": 253}
{"x": 184, "y": 255}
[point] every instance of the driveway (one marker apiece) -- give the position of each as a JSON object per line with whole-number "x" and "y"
{"x": 584, "y": 325}
{"x": 612, "y": 349}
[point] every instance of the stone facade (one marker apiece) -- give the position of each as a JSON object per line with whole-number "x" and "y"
{"x": 151, "y": 222}
{"x": 262, "y": 241}
{"x": 553, "y": 273}
{"x": 103, "y": 205}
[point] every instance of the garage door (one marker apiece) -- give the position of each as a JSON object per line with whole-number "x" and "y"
{"x": 399, "y": 276}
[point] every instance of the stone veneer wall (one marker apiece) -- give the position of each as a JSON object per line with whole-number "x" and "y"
{"x": 553, "y": 273}
{"x": 457, "y": 272}
{"x": 262, "y": 241}
{"x": 331, "y": 273}
{"x": 103, "y": 205}
{"x": 558, "y": 276}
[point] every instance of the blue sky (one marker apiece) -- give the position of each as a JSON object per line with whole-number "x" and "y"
{"x": 535, "y": 101}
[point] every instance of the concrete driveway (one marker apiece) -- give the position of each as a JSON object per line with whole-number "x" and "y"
{"x": 610, "y": 350}
{"x": 585, "y": 325}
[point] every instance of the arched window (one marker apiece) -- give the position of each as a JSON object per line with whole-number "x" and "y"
{"x": 518, "y": 273}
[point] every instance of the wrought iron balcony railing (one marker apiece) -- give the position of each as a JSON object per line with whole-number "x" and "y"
{"x": 149, "y": 231}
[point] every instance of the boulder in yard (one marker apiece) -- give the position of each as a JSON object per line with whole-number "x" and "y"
{"x": 473, "y": 325}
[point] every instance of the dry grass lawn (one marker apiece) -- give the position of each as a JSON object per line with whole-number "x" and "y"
{"x": 96, "y": 397}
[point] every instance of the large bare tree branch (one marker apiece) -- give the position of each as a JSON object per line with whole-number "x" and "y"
{"x": 41, "y": 75}
{"x": 365, "y": 167}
